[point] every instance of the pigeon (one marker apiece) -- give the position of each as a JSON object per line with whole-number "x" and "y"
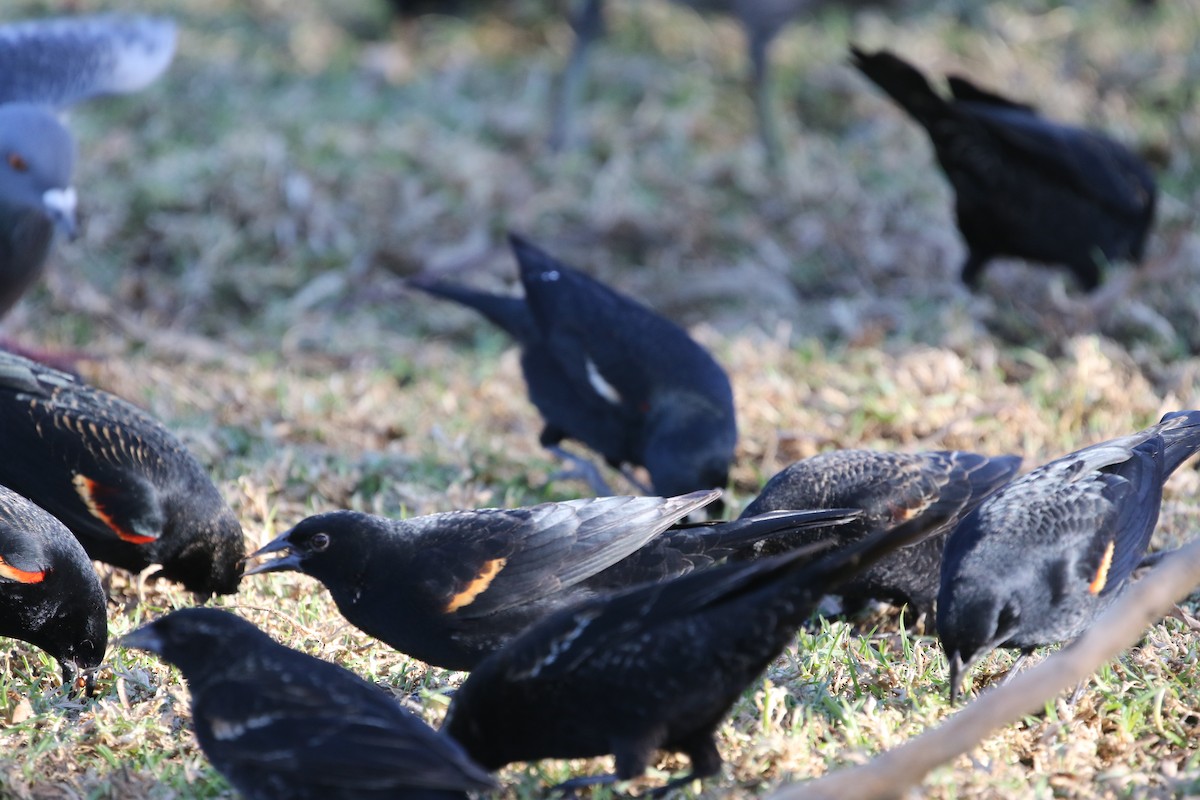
{"x": 1024, "y": 186}
{"x": 283, "y": 725}
{"x": 1035, "y": 563}
{"x": 46, "y": 65}
{"x": 606, "y": 371}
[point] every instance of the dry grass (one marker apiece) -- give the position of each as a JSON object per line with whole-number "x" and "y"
{"x": 247, "y": 221}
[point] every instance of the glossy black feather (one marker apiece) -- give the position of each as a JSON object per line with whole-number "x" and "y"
{"x": 607, "y": 371}
{"x": 49, "y": 593}
{"x": 126, "y": 487}
{"x": 451, "y": 588}
{"x": 653, "y": 667}
{"x": 1037, "y": 561}
{"x": 1025, "y": 186}
{"x": 930, "y": 491}
{"x": 282, "y": 725}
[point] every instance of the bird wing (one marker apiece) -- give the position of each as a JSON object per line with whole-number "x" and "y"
{"x": 1094, "y": 165}
{"x": 317, "y": 732}
{"x": 82, "y": 446}
{"x": 1135, "y": 490}
{"x": 58, "y": 62}
{"x": 492, "y": 559}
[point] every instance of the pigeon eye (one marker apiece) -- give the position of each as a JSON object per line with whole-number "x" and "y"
{"x": 319, "y": 542}
{"x": 17, "y": 162}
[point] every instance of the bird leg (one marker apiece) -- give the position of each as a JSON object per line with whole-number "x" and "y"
{"x": 1016, "y": 665}
{"x": 588, "y": 23}
{"x": 583, "y": 470}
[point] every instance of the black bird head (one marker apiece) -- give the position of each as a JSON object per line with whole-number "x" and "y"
{"x": 326, "y": 546}
{"x": 970, "y": 629}
{"x": 193, "y": 639}
{"x": 202, "y": 545}
{"x": 689, "y": 444}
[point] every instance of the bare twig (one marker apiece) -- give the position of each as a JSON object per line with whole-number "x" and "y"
{"x": 900, "y": 770}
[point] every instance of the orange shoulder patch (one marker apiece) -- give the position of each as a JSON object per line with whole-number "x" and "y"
{"x": 90, "y": 492}
{"x": 1098, "y": 582}
{"x": 19, "y": 575}
{"x": 476, "y": 587}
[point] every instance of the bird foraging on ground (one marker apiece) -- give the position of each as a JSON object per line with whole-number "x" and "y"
{"x": 653, "y": 667}
{"x": 931, "y": 491}
{"x": 282, "y": 725}
{"x": 1024, "y": 186}
{"x": 1037, "y": 561}
{"x": 452, "y": 588}
{"x": 126, "y": 487}
{"x": 46, "y": 65}
{"x": 49, "y": 593}
{"x": 607, "y": 371}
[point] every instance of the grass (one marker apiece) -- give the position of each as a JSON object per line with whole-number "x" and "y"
{"x": 248, "y": 221}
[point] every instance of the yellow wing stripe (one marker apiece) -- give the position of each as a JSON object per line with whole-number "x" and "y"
{"x": 1097, "y": 584}
{"x": 476, "y": 587}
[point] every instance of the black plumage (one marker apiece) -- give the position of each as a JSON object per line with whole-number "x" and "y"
{"x": 126, "y": 487}
{"x": 282, "y": 725}
{"x": 653, "y": 667}
{"x": 49, "y": 593}
{"x": 930, "y": 491}
{"x": 451, "y": 588}
{"x": 1037, "y": 561}
{"x": 606, "y": 371}
{"x": 1024, "y": 186}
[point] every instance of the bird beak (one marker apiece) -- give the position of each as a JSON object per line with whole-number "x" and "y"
{"x": 144, "y": 638}
{"x": 290, "y": 560}
{"x": 60, "y": 205}
{"x": 956, "y": 670}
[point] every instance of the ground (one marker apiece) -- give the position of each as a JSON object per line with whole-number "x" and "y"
{"x": 248, "y": 221}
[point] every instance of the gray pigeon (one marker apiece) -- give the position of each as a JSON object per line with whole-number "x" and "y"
{"x": 46, "y": 65}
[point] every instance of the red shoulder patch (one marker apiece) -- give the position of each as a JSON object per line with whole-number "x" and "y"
{"x": 92, "y": 494}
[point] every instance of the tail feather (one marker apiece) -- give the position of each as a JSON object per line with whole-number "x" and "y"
{"x": 509, "y": 313}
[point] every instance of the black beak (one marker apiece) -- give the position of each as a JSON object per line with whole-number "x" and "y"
{"x": 144, "y": 638}
{"x": 290, "y": 560}
{"x": 956, "y": 670}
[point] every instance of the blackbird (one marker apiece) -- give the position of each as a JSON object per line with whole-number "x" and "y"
{"x": 49, "y": 593}
{"x": 656, "y": 666}
{"x": 282, "y": 725}
{"x": 451, "y": 588}
{"x": 607, "y": 371}
{"x": 1037, "y": 561}
{"x": 928, "y": 490}
{"x": 125, "y": 486}
{"x": 1024, "y": 186}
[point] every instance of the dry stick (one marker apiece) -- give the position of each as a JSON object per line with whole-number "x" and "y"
{"x": 897, "y": 771}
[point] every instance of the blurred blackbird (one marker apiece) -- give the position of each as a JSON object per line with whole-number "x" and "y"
{"x": 49, "y": 593}
{"x": 45, "y": 65}
{"x": 125, "y": 486}
{"x": 655, "y": 666}
{"x": 1037, "y": 561}
{"x": 929, "y": 491}
{"x": 610, "y": 373}
{"x": 1024, "y": 186}
{"x": 282, "y": 725}
{"x": 451, "y": 588}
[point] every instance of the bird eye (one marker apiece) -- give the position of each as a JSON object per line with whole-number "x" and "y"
{"x": 319, "y": 542}
{"x": 17, "y": 162}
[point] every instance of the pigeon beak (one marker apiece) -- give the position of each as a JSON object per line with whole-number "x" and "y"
{"x": 60, "y": 205}
{"x": 290, "y": 560}
{"x": 144, "y": 638}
